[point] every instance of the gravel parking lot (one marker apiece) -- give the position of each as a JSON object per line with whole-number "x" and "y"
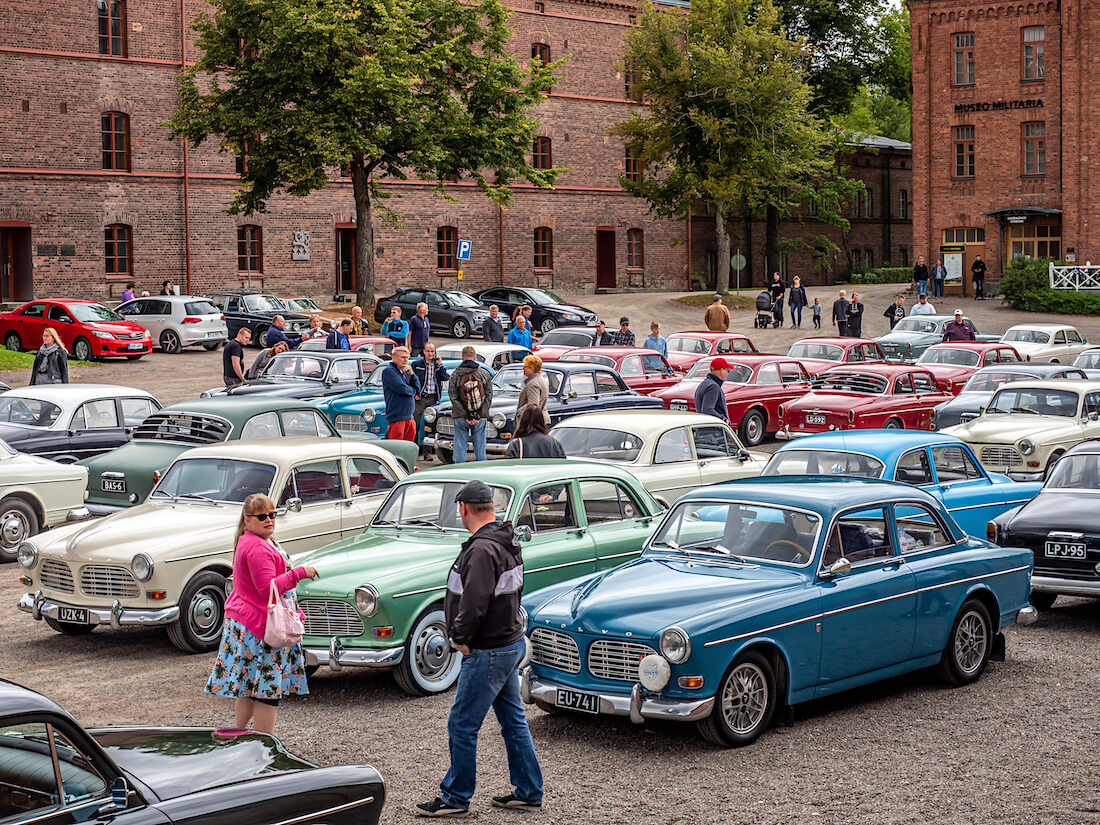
{"x": 1019, "y": 746}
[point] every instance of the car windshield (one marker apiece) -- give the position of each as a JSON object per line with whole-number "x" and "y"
{"x": 1034, "y": 401}
{"x": 6, "y": 448}
{"x": 819, "y": 352}
{"x": 303, "y": 367}
{"x": 1089, "y": 360}
{"x": 201, "y": 308}
{"x": 596, "y": 442}
{"x": 740, "y": 529}
{"x": 461, "y": 299}
{"x": 955, "y": 357}
{"x": 1026, "y": 336}
{"x": 589, "y": 358}
{"x": 431, "y": 505}
{"x": 543, "y": 296}
{"x": 262, "y": 303}
{"x": 916, "y": 325}
{"x": 90, "y": 313}
{"x": 990, "y": 381}
{"x": 374, "y": 379}
{"x": 1075, "y": 472}
{"x": 688, "y": 344}
{"x": 857, "y": 382}
{"x": 27, "y": 412}
{"x": 303, "y": 304}
{"x": 566, "y": 338}
{"x": 739, "y": 373}
{"x": 823, "y": 462}
{"x": 217, "y": 479}
{"x": 511, "y": 378}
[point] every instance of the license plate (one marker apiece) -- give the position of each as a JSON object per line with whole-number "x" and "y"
{"x": 212, "y": 333}
{"x": 680, "y": 406}
{"x": 110, "y": 485}
{"x": 1065, "y": 549}
{"x": 76, "y": 615}
{"x": 815, "y": 419}
{"x": 575, "y": 700}
{"x": 137, "y": 345}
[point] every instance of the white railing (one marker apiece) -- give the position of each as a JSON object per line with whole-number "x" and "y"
{"x": 1077, "y": 278}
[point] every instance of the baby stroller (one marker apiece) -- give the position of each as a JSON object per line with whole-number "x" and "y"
{"x": 765, "y": 308}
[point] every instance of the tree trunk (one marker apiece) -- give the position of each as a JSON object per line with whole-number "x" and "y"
{"x": 722, "y": 265}
{"x": 364, "y": 239}
{"x": 771, "y": 242}
{"x": 747, "y": 280}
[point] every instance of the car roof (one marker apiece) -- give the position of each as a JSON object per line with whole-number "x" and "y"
{"x": 1072, "y": 384}
{"x": 886, "y": 445}
{"x": 835, "y": 339}
{"x": 754, "y": 359}
{"x": 639, "y": 422}
{"x": 286, "y": 450}
{"x": 172, "y": 298}
{"x": 877, "y": 367}
{"x": 823, "y": 494}
{"x": 519, "y": 472}
{"x": 485, "y": 348}
{"x": 612, "y": 352}
{"x": 973, "y": 346}
{"x": 1042, "y": 327}
{"x": 1091, "y": 447}
{"x": 330, "y": 354}
{"x": 569, "y": 367}
{"x": 16, "y": 699}
{"x": 238, "y": 407}
{"x": 709, "y": 334}
{"x": 937, "y": 317}
{"x": 1038, "y": 370}
{"x": 238, "y": 292}
{"x": 69, "y": 393}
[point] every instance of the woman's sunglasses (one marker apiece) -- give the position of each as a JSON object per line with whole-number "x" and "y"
{"x": 264, "y": 516}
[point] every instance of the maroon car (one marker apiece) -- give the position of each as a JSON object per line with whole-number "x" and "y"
{"x": 685, "y": 348}
{"x": 643, "y": 370}
{"x": 953, "y": 363}
{"x": 819, "y": 354}
{"x": 88, "y": 330}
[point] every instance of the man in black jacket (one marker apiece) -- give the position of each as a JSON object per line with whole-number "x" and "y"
{"x": 709, "y": 397}
{"x": 977, "y": 270}
{"x": 491, "y": 329}
{"x": 896, "y": 311}
{"x": 481, "y": 607}
{"x": 840, "y": 314}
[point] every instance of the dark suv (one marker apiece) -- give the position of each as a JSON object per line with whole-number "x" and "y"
{"x": 255, "y": 310}
{"x": 450, "y": 311}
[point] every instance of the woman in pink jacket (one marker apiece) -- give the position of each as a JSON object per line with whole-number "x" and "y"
{"x": 256, "y": 675}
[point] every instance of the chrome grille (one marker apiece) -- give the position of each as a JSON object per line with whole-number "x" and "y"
{"x": 329, "y": 617}
{"x": 445, "y": 425}
{"x": 610, "y": 659}
{"x": 56, "y": 575}
{"x": 1000, "y": 457}
{"x": 350, "y": 423}
{"x": 130, "y": 336}
{"x": 557, "y": 650}
{"x": 100, "y": 580}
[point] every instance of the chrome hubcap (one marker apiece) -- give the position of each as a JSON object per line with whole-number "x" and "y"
{"x": 745, "y": 698}
{"x": 970, "y": 643}
{"x": 205, "y": 613}
{"x": 752, "y": 429}
{"x": 13, "y": 530}
{"x": 432, "y": 652}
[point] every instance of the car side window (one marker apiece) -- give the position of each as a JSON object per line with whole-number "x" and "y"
{"x": 135, "y": 410}
{"x": 903, "y": 385}
{"x": 368, "y": 475}
{"x": 654, "y": 365}
{"x": 1073, "y": 336}
{"x": 855, "y": 354}
{"x": 725, "y": 346}
{"x": 924, "y": 383}
{"x": 606, "y": 501}
{"x": 581, "y": 383}
{"x": 918, "y": 528}
{"x": 860, "y": 537}
{"x": 711, "y": 442}
{"x": 234, "y": 304}
{"x": 435, "y": 299}
{"x": 1059, "y": 337}
{"x": 132, "y": 308}
{"x": 160, "y": 308}
{"x": 30, "y": 773}
{"x": 58, "y": 313}
{"x": 264, "y": 425}
{"x": 632, "y": 365}
{"x": 346, "y": 370}
{"x": 35, "y": 311}
{"x": 672, "y": 447}
{"x": 769, "y": 374}
{"x": 549, "y": 507}
{"x": 913, "y": 468}
{"x": 742, "y": 345}
{"x": 96, "y": 415}
{"x": 871, "y": 352}
{"x": 792, "y": 373}
{"x": 315, "y": 482}
{"x": 411, "y": 296}
{"x": 80, "y": 781}
{"x": 1092, "y": 403}
{"x": 606, "y": 383}
{"x": 953, "y": 463}
{"x": 300, "y": 423}
{"x": 1007, "y": 356}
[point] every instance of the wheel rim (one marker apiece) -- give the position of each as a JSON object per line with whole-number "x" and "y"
{"x": 169, "y": 341}
{"x": 892, "y": 425}
{"x": 745, "y": 698}
{"x": 547, "y": 326}
{"x": 204, "y": 613}
{"x": 754, "y": 427}
{"x": 263, "y": 339}
{"x": 460, "y": 330}
{"x": 13, "y": 529}
{"x": 82, "y": 350}
{"x": 432, "y": 654}
{"x": 971, "y": 641}
{"x": 13, "y": 343}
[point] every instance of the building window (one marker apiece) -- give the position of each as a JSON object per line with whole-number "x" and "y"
{"x": 964, "y": 151}
{"x": 250, "y": 149}
{"x": 869, "y": 258}
{"x": 811, "y": 207}
{"x": 964, "y": 59}
{"x": 540, "y": 52}
{"x": 868, "y": 211}
{"x": 1035, "y": 240}
{"x": 540, "y": 7}
{"x": 112, "y": 27}
{"x": 250, "y": 249}
{"x": 540, "y": 153}
{"x": 633, "y": 166}
{"x": 1035, "y": 153}
{"x": 964, "y": 234}
{"x": 116, "y": 249}
{"x": 903, "y": 203}
{"x": 903, "y": 254}
{"x": 446, "y": 238}
{"x": 635, "y": 248}
{"x": 1033, "y": 52}
{"x": 631, "y": 77}
{"x": 544, "y": 248}
{"x": 857, "y": 259}
{"x": 115, "y": 130}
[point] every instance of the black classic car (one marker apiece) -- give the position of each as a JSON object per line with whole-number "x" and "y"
{"x": 547, "y": 309}
{"x": 575, "y": 388}
{"x": 256, "y": 310}
{"x": 1060, "y": 528}
{"x": 450, "y": 311}
{"x": 54, "y": 772}
{"x": 311, "y": 374}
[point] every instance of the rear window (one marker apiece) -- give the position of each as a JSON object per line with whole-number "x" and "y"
{"x": 182, "y": 427}
{"x": 859, "y": 382}
{"x": 201, "y": 308}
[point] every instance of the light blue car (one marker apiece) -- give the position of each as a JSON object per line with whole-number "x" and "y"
{"x": 787, "y": 590}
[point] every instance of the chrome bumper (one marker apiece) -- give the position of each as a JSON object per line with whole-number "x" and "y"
{"x": 337, "y": 658}
{"x": 449, "y": 444}
{"x": 1029, "y": 615}
{"x": 104, "y": 509}
{"x": 79, "y": 514}
{"x": 637, "y": 705}
{"x": 785, "y": 434}
{"x": 1015, "y": 476}
{"x": 1068, "y": 587}
{"x": 116, "y": 615}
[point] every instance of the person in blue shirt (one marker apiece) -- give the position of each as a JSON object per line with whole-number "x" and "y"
{"x": 338, "y": 338}
{"x": 519, "y": 335}
{"x": 395, "y": 329}
{"x": 655, "y": 340}
{"x": 400, "y": 386}
{"x": 275, "y": 334}
{"x": 709, "y": 397}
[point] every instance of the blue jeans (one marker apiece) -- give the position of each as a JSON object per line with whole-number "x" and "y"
{"x": 796, "y": 320}
{"x": 922, "y": 286}
{"x": 490, "y": 678}
{"x": 937, "y": 287}
{"x": 465, "y": 434}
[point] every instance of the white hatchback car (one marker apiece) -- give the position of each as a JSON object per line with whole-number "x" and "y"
{"x": 178, "y": 321}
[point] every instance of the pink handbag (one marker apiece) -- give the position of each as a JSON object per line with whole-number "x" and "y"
{"x": 284, "y": 625}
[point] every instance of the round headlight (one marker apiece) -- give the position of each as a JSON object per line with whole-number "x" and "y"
{"x": 368, "y": 415}
{"x": 523, "y": 618}
{"x": 366, "y": 600}
{"x": 499, "y": 420}
{"x": 675, "y": 645}
{"x": 142, "y": 567}
{"x": 654, "y": 672}
{"x": 1027, "y": 446}
{"x": 27, "y": 554}
{"x": 430, "y": 415}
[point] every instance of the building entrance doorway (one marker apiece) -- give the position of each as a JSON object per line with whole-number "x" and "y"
{"x": 345, "y": 259}
{"x": 15, "y": 264}
{"x": 605, "y": 258}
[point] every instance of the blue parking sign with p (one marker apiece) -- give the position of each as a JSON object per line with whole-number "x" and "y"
{"x": 463, "y": 253}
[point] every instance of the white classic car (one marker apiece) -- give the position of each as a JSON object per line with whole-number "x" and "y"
{"x": 1053, "y": 343}
{"x": 165, "y": 562}
{"x": 36, "y": 493}
{"x": 670, "y": 452}
{"x": 1027, "y": 425}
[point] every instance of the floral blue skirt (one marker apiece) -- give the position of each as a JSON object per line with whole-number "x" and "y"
{"x": 248, "y": 669}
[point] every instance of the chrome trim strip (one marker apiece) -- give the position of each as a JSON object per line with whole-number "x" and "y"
{"x": 201, "y": 556}
{"x": 559, "y": 566}
{"x": 620, "y": 555}
{"x": 40, "y": 606}
{"x": 310, "y": 816}
{"x": 418, "y": 592}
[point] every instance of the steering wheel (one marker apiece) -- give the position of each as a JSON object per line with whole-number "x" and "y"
{"x": 800, "y": 551}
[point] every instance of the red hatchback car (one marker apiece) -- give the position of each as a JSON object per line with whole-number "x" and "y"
{"x": 819, "y": 354}
{"x": 755, "y": 387}
{"x": 953, "y": 363}
{"x": 643, "y": 370}
{"x": 685, "y": 348}
{"x": 88, "y": 330}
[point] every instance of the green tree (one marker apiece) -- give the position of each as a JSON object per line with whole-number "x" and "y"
{"x": 883, "y": 104}
{"x": 386, "y": 88}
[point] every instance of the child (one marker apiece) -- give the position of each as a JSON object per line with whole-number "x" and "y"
{"x": 817, "y": 313}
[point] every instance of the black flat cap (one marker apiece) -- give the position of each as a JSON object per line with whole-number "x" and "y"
{"x": 475, "y": 492}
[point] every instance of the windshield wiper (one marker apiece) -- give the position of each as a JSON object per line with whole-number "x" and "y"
{"x": 385, "y": 523}
{"x": 1025, "y": 410}
{"x": 195, "y": 497}
{"x": 429, "y": 523}
{"x": 717, "y": 548}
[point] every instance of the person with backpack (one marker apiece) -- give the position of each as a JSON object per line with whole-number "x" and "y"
{"x": 471, "y": 392}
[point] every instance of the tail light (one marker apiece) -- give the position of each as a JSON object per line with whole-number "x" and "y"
{"x": 779, "y": 410}
{"x": 851, "y": 416}
{"x": 191, "y": 320}
{"x": 950, "y": 384}
{"x": 221, "y": 317}
{"x": 991, "y": 532}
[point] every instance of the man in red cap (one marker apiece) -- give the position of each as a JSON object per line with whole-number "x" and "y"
{"x": 709, "y": 398}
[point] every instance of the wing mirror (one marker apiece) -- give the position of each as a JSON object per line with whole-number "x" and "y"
{"x": 743, "y": 455}
{"x": 571, "y": 394}
{"x": 120, "y": 794}
{"x": 294, "y": 505}
{"x": 1093, "y": 415}
{"x": 522, "y": 533}
{"x": 840, "y": 567}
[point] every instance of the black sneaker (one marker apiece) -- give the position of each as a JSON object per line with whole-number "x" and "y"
{"x": 437, "y": 807}
{"x": 514, "y": 802}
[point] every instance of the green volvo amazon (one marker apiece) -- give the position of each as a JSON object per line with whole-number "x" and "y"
{"x": 379, "y": 600}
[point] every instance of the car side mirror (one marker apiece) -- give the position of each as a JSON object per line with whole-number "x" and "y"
{"x": 294, "y": 505}
{"x": 522, "y": 533}
{"x": 840, "y": 567}
{"x": 571, "y": 394}
{"x": 743, "y": 455}
{"x": 1093, "y": 415}
{"x": 120, "y": 794}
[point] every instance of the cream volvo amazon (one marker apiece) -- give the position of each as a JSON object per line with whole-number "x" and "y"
{"x": 165, "y": 562}
{"x": 1027, "y": 425}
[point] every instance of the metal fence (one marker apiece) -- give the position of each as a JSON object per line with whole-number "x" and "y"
{"x": 1078, "y": 278}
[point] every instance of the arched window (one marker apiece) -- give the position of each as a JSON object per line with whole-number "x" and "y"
{"x": 117, "y": 250}
{"x": 115, "y": 133}
{"x": 250, "y": 249}
{"x": 540, "y": 153}
{"x": 633, "y": 166}
{"x": 445, "y": 241}
{"x": 112, "y": 27}
{"x": 544, "y": 248}
{"x": 635, "y": 248}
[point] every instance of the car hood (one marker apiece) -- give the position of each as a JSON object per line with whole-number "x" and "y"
{"x": 391, "y": 560}
{"x": 503, "y": 402}
{"x": 576, "y": 309}
{"x": 645, "y": 596}
{"x": 903, "y": 338}
{"x": 684, "y": 388}
{"x": 1070, "y": 510}
{"x": 115, "y": 327}
{"x": 279, "y": 389}
{"x": 1008, "y": 429}
{"x": 816, "y": 365}
{"x": 357, "y": 399}
{"x": 174, "y": 762}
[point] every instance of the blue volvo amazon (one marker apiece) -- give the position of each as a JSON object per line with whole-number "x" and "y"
{"x": 760, "y": 594}
{"x": 944, "y": 465}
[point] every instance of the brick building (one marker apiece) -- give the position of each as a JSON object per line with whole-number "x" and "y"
{"x": 1002, "y": 132}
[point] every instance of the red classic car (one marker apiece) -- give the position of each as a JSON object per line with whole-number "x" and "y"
{"x": 819, "y": 354}
{"x": 953, "y": 363}
{"x": 88, "y": 330}
{"x": 755, "y": 387}
{"x": 872, "y": 396}
{"x": 643, "y": 370}
{"x": 685, "y": 348}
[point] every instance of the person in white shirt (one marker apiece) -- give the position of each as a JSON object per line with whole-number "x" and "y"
{"x": 922, "y": 307}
